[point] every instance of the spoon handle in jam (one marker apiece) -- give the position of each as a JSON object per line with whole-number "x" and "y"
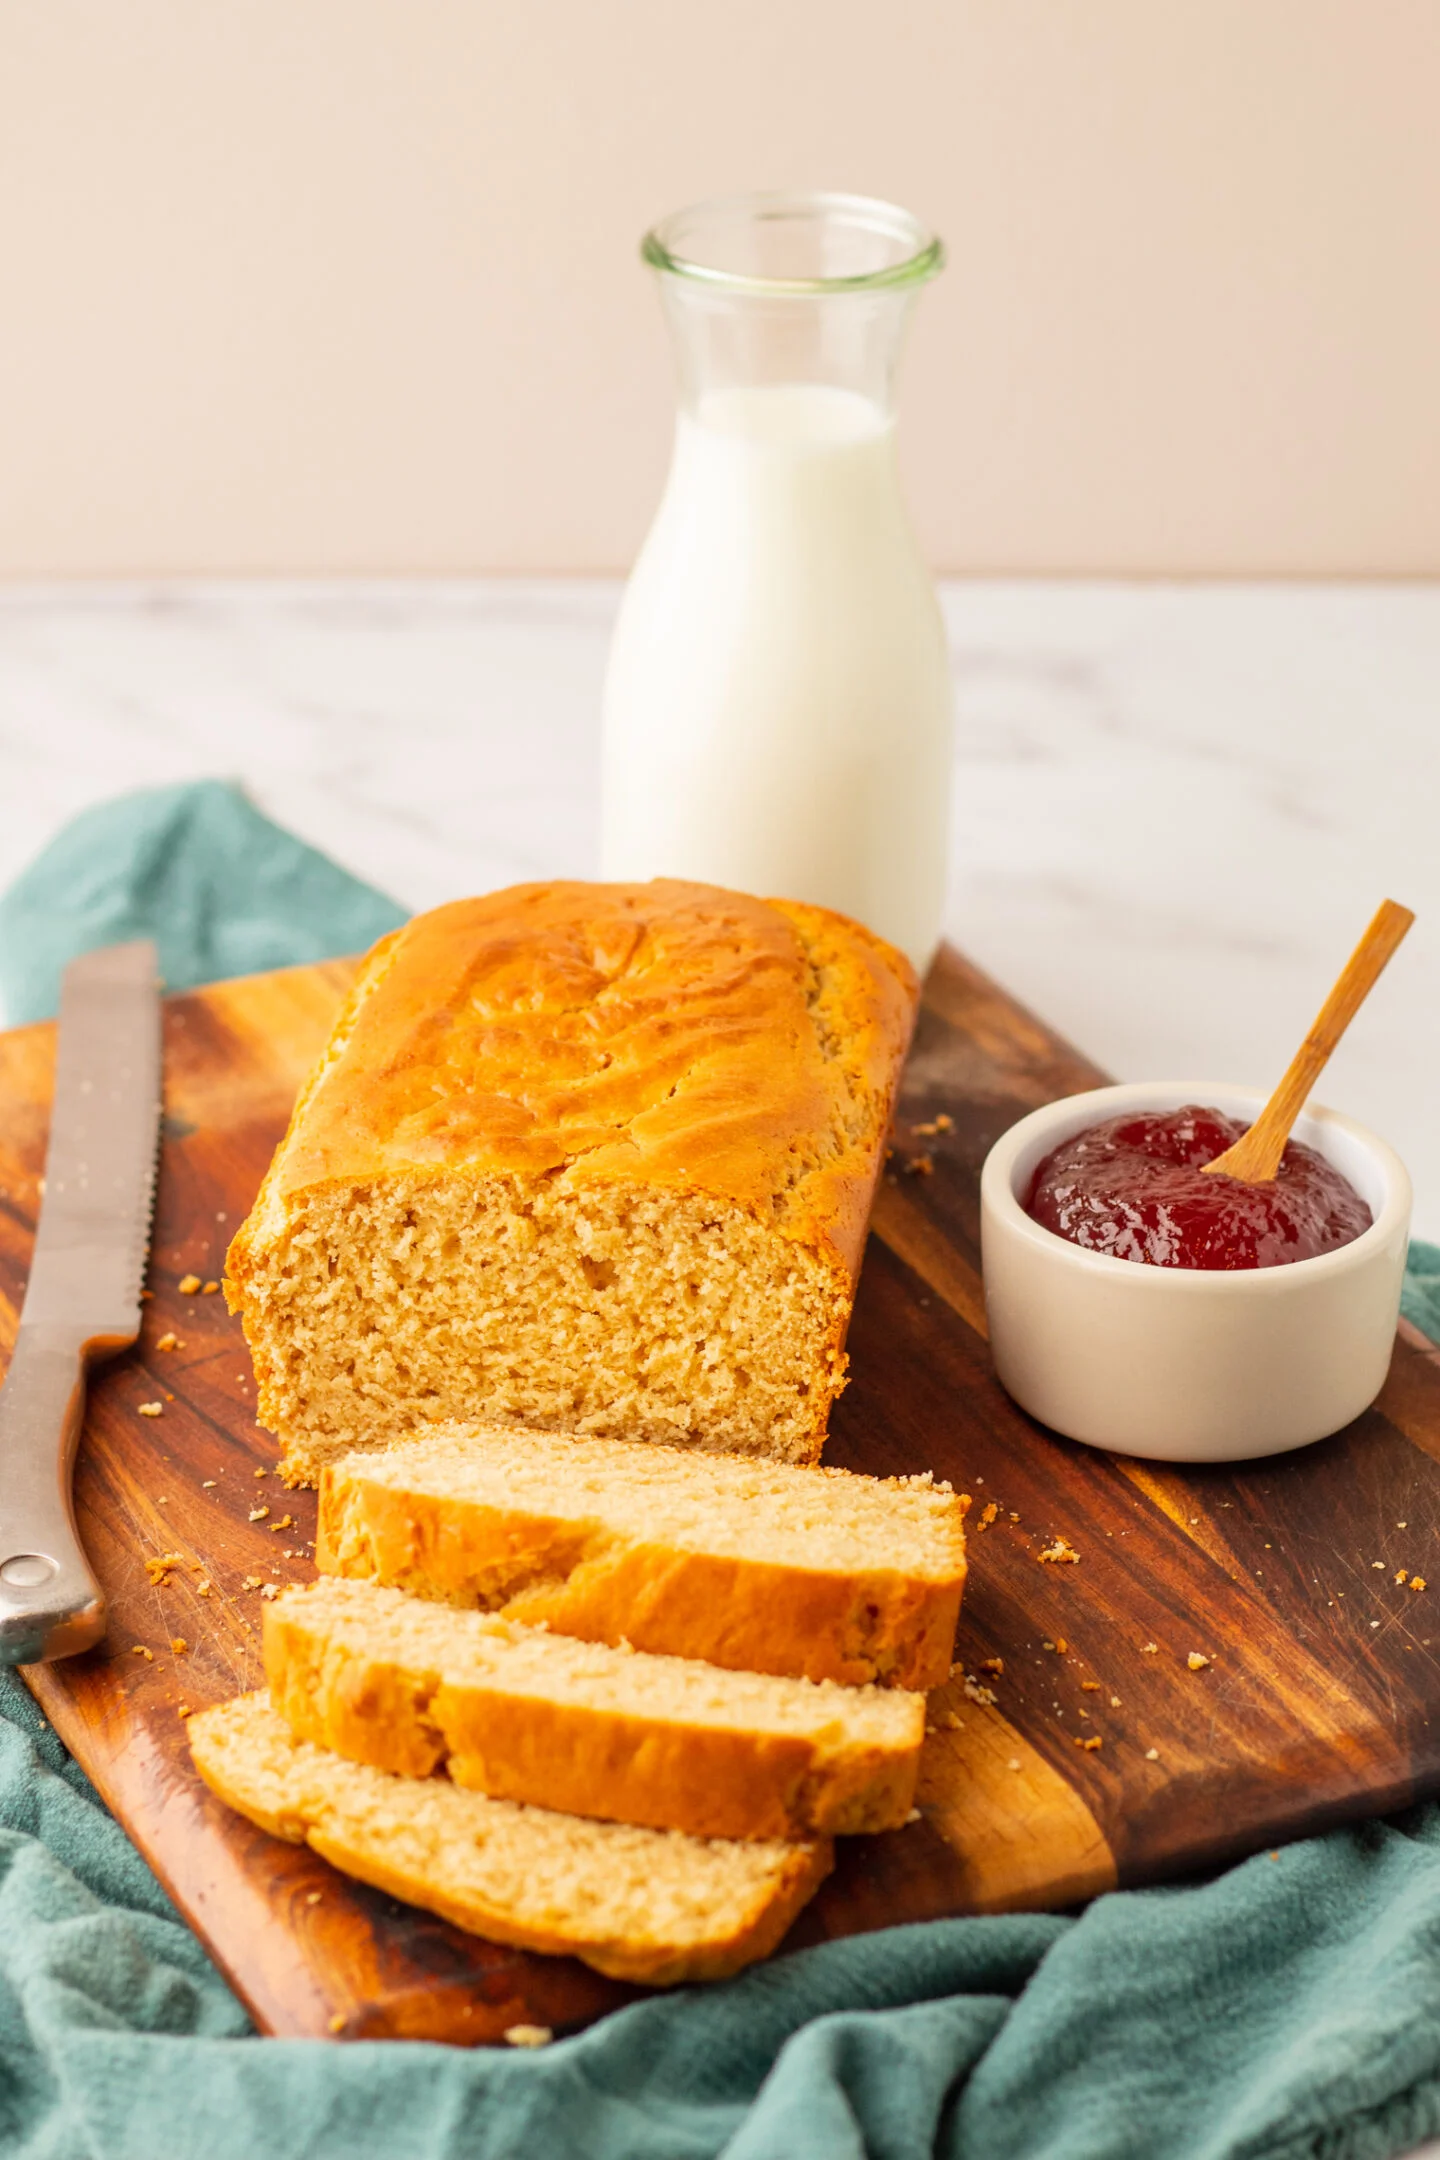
{"x": 1255, "y": 1157}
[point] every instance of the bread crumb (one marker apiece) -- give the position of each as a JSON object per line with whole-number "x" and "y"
{"x": 258, "y": 1514}
{"x": 183, "y": 1710}
{"x": 1378, "y": 1563}
{"x": 1152, "y": 1754}
{"x": 314, "y": 1897}
{"x": 206, "y": 1483}
{"x": 202, "y": 1588}
{"x": 188, "y": 1285}
{"x": 1061, "y": 1553}
{"x": 158, "y": 1568}
{"x": 1089, "y": 1745}
{"x": 286, "y": 1522}
{"x": 1197, "y": 1661}
{"x": 152, "y": 1409}
{"x": 1114, "y": 1702}
{"x": 208, "y": 1289}
{"x": 957, "y": 1671}
{"x": 138, "y": 1649}
{"x": 1417, "y": 1582}
{"x": 913, "y": 1816}
{"x": 270, "y": 1590}
{"x": 1148, "y": 1649}
{"x": 169, "y": 1341}
{"x": 987, "y": 1515}
{"x": 1014, "y": 1763}
{"x": 261, "y": 1472}
{"x": 179, "y": 1645}
{"x": 977, "y": 1694}
{"x": 252, "y": 1582}
{"x": 918, "y": 1166}
{"x": 994, "y": 1665}
{"x": 952, "y": 1723}
{"x": 1013, "y": 1516}
{"x": 1091, "y": 1687}
{"x": 1061, "y": 1645}
{"x": 1402, "y": 1526}
{"x": 1403, "y": 1576}
{"x": 528, "y": 2036}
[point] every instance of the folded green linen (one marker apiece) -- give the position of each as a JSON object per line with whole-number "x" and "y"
{"x": 1287, "y": 2010}
{"x": 197, "y": 867}
{"x": 1420, "y": 1299}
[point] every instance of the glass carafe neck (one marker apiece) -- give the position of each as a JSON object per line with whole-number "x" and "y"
{"x": 797, "y": 288}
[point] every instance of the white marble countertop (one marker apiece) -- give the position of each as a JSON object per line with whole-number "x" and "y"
{"x": 1175, "y": 807}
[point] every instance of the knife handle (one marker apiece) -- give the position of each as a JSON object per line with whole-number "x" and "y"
{"x": 50, "y": 1603}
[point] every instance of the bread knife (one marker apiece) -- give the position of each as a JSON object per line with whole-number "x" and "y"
{"x": 82, "y": 1301}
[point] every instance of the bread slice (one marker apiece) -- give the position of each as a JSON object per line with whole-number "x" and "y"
{"x": 526, "y": 1715}
{"x": 580, "y": 1157}
{"x": 760, "y": 1567}
{"x": 650, "y": 1905}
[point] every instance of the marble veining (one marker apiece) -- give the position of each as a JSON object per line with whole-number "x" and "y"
{"x": 1174, "y": 807}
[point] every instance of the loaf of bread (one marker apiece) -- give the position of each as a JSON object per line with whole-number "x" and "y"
{"x": 524, "y": 1714}
{"x": 759, "y": 1566}
{"x": 649, "y": 1905}
{"x": 585, "y": 1157}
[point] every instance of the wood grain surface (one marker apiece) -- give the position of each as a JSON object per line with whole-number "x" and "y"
{"x": 1321, "y": 1698}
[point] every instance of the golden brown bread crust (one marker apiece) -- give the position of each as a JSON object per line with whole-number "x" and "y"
{"x": 366, "y": 1697}
{"x": 584, "y": 1578}
{"x": 672, "y": 1035}
{"x": 561, "y": 1887}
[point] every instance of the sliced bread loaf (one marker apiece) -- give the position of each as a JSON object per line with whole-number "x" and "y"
{"x": 760, "y": 1567}
{"x": 524, "y": 1714}
{"x": 589, "y": 1157}
{"x": 638, "y": 1904}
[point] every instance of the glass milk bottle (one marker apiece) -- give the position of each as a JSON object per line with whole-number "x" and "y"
{"x": 778, "y": 708}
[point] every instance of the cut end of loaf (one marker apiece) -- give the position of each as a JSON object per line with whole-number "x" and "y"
{"x": 413, "y": 1301}
{"x": 648, "y": 1905}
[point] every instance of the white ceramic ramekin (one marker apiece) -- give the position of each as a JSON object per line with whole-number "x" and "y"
{"x": 1190, "y": 1364}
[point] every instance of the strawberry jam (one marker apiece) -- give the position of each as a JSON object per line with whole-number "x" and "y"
{"x": 1135, "y": 1188}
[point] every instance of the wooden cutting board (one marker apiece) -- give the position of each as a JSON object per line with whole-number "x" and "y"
{"x": 1321, "y": 1699}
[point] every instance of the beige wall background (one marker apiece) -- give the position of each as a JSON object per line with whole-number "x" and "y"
{"x": 351, "y": 285}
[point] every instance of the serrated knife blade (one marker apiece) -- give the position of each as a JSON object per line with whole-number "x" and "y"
{"x": 82, "y": 1301}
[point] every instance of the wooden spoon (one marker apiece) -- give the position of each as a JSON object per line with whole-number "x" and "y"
{"x": 1255, "y": 1157}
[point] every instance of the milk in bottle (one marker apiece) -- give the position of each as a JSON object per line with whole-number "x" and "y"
{"x": 777, "y": 708}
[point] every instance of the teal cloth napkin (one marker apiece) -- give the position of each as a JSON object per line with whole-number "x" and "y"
{"x": 1289, "y": 2009}
{"x": 197, "y": 867}
{"x": 1420, "y": 1299}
